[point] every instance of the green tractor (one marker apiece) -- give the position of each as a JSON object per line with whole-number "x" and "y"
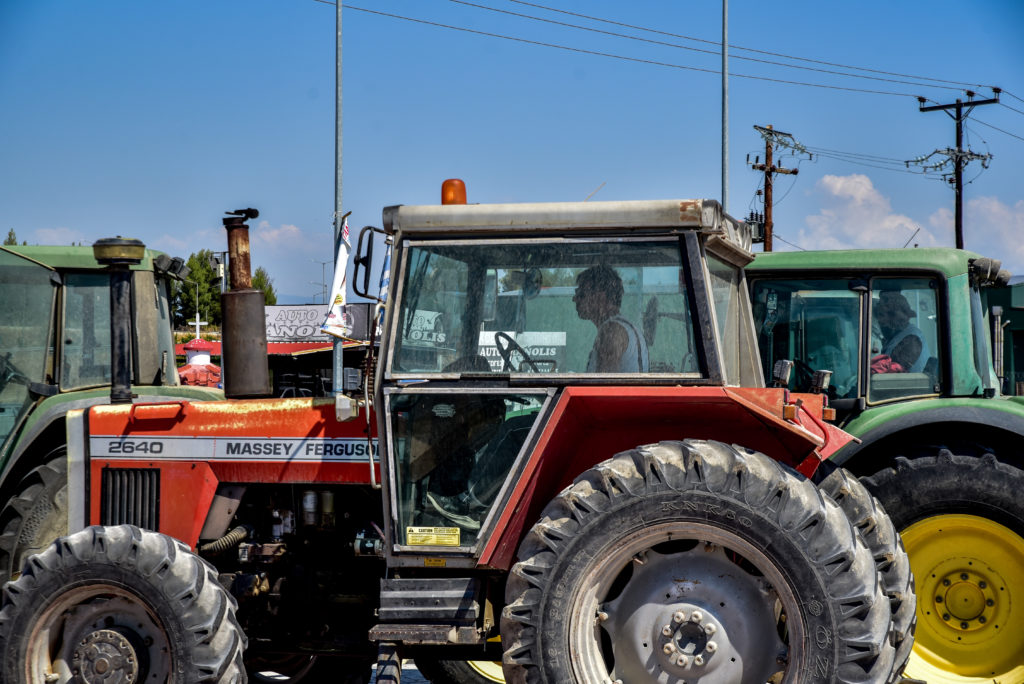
{"x": 56, "y": 344}
{"x": 906, "y": 336}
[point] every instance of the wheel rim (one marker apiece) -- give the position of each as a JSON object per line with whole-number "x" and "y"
{"x": 969, "y": 574}
{"x": 101, "y": 631}
{"x": 488, "y": 669}
{"x": 685, "y": 602}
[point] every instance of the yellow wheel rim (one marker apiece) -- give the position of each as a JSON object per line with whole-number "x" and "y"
{"x": 488, "y": 669}
{"x": 969, "y": 575}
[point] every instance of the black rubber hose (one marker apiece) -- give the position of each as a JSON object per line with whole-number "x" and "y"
{"x": 229, "y": 540}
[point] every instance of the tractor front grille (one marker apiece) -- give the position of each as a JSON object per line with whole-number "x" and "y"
{"x": 130, "y": 496}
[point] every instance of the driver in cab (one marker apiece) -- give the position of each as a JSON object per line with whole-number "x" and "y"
{"x": 619, "y": 346}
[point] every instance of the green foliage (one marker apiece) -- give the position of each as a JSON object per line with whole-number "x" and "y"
{"x": 261, "y": 280}
{"x": 12, "y": 238}
{"x": 183, "y": 295}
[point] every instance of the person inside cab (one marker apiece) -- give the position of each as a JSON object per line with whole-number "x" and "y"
{"x": 619, "y": 347}
{"x": 904, "y": 348}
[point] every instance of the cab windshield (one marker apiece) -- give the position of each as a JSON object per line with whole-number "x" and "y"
{"x": 26, "y": 354}
{"x": 544, "y": 306}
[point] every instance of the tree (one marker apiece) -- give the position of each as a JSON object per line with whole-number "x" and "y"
{"x": 12, "y": 238}
{"x": 183, "y": 296}
{"x": 261, "y": 280}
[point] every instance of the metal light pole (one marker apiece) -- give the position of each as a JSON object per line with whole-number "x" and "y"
{"x": 339, "y": 363}
{"x": 725, "y": 105}
{"x": 323, "y": 277}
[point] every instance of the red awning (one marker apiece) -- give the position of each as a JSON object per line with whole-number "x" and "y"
{"x": 280, "y": 348}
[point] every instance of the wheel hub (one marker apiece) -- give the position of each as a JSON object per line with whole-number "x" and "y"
{"x": 692, "y": 615}
{"x": 686, "y": 640}
{"x": 967, "y": 599}
{"x": 105, "y": 656}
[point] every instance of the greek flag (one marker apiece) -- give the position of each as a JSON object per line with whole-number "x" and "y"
{"x": 337, "y": 323}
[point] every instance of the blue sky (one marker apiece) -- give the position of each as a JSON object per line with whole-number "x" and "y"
{"x": 149, "y": 120}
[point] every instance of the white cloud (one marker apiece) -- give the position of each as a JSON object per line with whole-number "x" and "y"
{"x": 58, "y": 236}
{"x": 855, "y": 215}
{"x": 992, "y": 228}
{"x": 285, "y": 236}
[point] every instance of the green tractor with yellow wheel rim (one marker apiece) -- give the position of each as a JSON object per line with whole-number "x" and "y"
{"x": 906, "y": 335}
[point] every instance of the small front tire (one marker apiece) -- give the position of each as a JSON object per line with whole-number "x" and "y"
{"x": 119, "y": 601}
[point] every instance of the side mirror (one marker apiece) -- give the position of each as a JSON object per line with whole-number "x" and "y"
{"x": 363, "y": 260}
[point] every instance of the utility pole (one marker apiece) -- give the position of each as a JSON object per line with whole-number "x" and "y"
{"x": 770, "y": 135}
{"x": 960, "y": 155}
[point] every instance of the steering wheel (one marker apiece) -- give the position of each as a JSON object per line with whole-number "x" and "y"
{"x": 9, "y": 374}
{"x": 506, "y": 346}
{"x": 804, "y": 375}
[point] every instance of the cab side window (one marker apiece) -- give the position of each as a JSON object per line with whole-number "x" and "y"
{"x": 904, "y": 351}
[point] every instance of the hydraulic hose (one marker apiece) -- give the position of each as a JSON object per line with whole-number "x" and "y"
{"x": 229, "y": 540}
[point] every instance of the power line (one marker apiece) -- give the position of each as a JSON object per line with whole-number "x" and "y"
{"x": 693, "y": 49}
{"x": 1007, "y": 92}
{"x": 998, "y": 129}
{"x": 791, "y": 244}
{"x": 738, "y": 47}
{"x": 1011, "y": 108}
{"x": 619, "y": 57}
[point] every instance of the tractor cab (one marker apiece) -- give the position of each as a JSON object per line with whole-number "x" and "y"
{"x": 498, "y": 309}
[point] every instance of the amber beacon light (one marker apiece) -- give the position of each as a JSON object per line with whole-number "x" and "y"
{"x": 453, "y": 191}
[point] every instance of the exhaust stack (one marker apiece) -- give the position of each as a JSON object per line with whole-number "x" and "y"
{"x": 244, "y": 340}
{"x": 119, "y": 255}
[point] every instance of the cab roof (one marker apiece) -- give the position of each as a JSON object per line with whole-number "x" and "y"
{"x": 945, "y": 260}
{"x": 71, "y": 258}
{"x": 451, "y": 220}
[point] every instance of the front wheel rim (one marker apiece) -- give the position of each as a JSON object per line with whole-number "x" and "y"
{"x": 969, "y": 574}
{"x": 96, "y": 628}
{"x": 633, "y": 620}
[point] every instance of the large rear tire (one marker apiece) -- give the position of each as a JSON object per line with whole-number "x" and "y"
{"x": 962, "y": 523}
{"x": 119, "y": 604}
{"x": 36, "y": 515}
{"x": 694, "y": 561}
{"x": 877, "y": 530}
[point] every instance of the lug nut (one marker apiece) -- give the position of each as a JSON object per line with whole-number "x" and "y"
{"x": 696, "y": 616}
{"x": 938, "y": 599}
{"x": 678, "y": 616}
{"x": 945, "y": 582}
{"x": 682, "y": 661}
{"x": 698, "y": 660}
{"x": 963, "y": 576}
{"x": 990, "y": 603}
{"x": 711, "y": 647}
{"x": 710, "y": 628}
{"x": 667, "y": 630}
{"x": 964, "y": 625}
{"x": 945, "y": 617}
{"x": 982, "y": 584}
{"x": 669, "y": 648}
{"x": 982, "y": 619}
{"x": 602, "y": 616}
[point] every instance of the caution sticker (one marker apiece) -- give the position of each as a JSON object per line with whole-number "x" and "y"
{"x": 432, "y": 536}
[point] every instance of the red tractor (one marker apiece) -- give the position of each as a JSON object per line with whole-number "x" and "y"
{"x": 571, "y": 448}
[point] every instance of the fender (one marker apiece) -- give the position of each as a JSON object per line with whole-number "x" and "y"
{"x": 879, "y": 424}
{"x": 588, "y": 425}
